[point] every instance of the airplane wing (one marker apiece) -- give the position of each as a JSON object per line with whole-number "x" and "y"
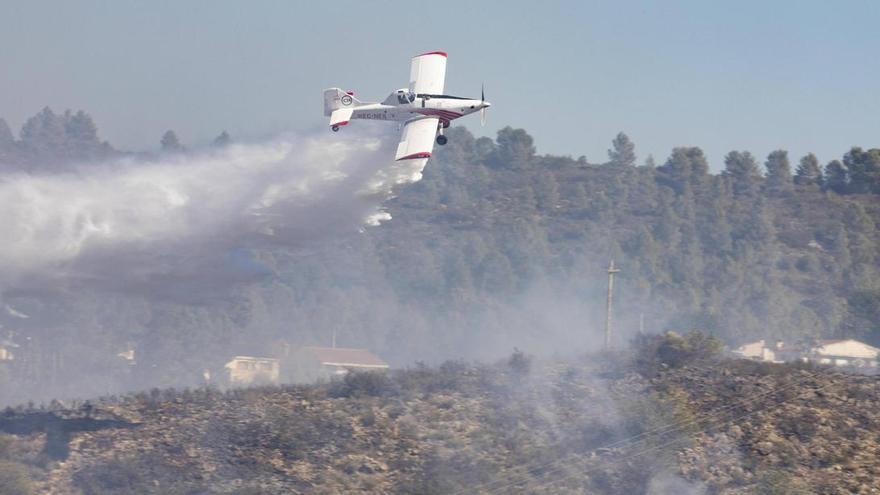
{"x": 417, "y": 139}
{"x": 428, "y": 73}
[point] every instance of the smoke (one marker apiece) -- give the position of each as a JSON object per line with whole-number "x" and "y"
{"x": 668, "y": 483}
{"x": 121, "y": 222}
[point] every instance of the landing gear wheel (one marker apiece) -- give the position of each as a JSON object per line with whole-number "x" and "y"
{"x": 441, "y": 140}
{"x": 335, "y": 128}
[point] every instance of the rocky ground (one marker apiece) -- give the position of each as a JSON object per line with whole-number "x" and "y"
{"x": 583, "y": 426}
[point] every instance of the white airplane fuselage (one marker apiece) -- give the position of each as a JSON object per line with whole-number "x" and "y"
{"x": 401, "y": 106}
{"x": 422, "y": 108}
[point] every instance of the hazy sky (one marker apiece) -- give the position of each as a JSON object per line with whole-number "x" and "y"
{"x": 755, "y": 75}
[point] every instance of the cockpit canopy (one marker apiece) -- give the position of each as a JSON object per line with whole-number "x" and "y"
{"x": 400, "y": 97}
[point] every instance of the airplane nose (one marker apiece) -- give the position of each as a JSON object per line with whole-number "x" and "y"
{"x": 486, "y": 104}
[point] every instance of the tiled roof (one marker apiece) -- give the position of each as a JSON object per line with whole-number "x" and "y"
{"x": 346, "y": 357}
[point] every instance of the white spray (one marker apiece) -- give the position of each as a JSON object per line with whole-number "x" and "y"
{"x": 289, "y": 186}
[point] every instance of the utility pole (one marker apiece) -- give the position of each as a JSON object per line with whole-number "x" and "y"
{"x": 608, "y": 307}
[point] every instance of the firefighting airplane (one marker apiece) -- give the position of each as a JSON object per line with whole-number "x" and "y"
{"x": 423, "y": 107}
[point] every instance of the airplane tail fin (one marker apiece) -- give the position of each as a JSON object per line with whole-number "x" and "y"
{"x": 335, "y": 98}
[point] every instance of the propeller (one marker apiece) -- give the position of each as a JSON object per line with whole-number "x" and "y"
{"x": 483, "y": 109}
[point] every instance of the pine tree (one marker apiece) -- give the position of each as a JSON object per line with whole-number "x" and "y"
{"x": 515, "y": 149}
{"x": 864, "y": 170}
{"x": 742, "y": 170}
{"x": 836, "y": 177}
{"x": 546, "y": 191}
{"x": 7, "y": 139}
{"x": 622, "y": 152}
{"x": 667, "y": 227}
{"x": 484, "y": 148}
{"x": 858, "y": 220}
{"x": 8, "y": 152}
{"x": 170, "y": 143}
{"x": 81, "y": 136}
{"x": 222, "y": 140}
{"x": 43, "y": 134}
{"x": 808, "y": 171}
{"x": 685, "y": 169}
{"x": 459, "y": 153}
{"x": 778, "y": 173}
{"x": 840, "y": 248}
{"x": 712, "y": 216}
{"x": 644, "y": 248}
{"x": 642, "y": 190}
{"x": 578, "y": 198}
{"x": 760, "y": 224}
{"x": 80, "y": 128}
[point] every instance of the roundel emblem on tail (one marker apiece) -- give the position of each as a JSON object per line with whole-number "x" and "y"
{"x": 346, "y": 100}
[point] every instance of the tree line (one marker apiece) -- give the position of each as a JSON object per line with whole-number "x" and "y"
{"x": 48, "y": 140}
{"x": 498, "y": 246}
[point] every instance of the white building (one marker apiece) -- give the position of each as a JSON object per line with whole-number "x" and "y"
{"x": 311, "y": 363}
{"x": 6, "y": 350}
{"x": 757, "y": 351}
{"x": 844, "y": 352}
{"x": 848, "y": 353}
{"x": 248, "y": 370}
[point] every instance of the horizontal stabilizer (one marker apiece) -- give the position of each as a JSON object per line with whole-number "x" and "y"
{"x": 340, "y": 117}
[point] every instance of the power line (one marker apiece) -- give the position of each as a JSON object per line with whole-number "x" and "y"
{"x": 672, "y": 426}
{"x": 673, "y": 441}
{"x": 635, "y": 439}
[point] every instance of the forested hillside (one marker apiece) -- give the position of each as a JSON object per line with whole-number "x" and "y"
{"x": 495, "y": 247}
{"x": 744, "y": 253}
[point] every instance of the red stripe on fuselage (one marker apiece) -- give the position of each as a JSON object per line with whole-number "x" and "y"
{"x": 442, "y": 113}
{"x": 422, "y": 154}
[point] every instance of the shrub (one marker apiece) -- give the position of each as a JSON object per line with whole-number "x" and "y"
{"x": 14, "y": 479}
{"x": 362, "y": 383}
{"x": 422, "y": 379}
{"x": 5, "y": 446}
{"x": 673, "y": 350}
{"x": 519, "y": 363}
{"x": 117, "y": 475}
{"x": 778, "y": 482}
{"x": 655, "y": 411}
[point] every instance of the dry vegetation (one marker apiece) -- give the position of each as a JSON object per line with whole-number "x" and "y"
{"x": 583, "y": 426}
